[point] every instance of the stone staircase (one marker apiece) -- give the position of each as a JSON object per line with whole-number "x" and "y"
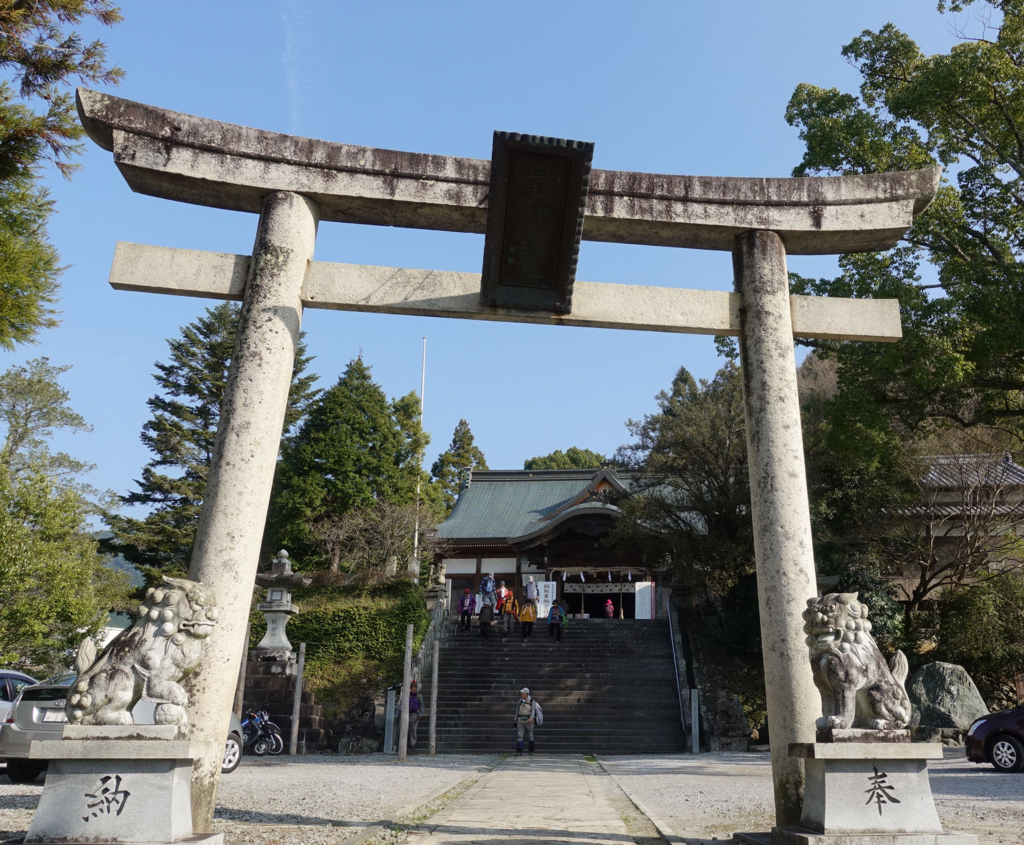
{"x": 607, "y": 688}
{"x": 275, "y": 692}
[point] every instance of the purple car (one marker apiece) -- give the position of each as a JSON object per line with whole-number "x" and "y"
{"x": 998, "y": 738}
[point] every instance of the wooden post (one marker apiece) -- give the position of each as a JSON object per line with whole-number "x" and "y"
{"x": 433, "y": 698}
{"x": 403, "y": 725}
{"x": 695, "y": 721}
{"x": 240, "y": 686}
{"x": 389, "y": 723}
{"x": 293, "y": 743}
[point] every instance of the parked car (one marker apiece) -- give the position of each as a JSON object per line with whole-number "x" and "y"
{"x": 38, "y": 713}
{"x": 998, "y": 738}
{"x": 11, "y": 683}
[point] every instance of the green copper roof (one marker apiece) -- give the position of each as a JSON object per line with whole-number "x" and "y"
{"x": 502, "y": 504}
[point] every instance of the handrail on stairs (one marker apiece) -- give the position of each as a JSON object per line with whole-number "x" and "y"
{"x": 675, "y": 667}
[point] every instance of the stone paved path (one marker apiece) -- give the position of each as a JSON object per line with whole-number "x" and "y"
{"x": 563, "y": 800}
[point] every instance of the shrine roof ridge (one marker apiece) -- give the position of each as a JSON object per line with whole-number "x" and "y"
{"x": 192, "y": 159}
{"x": 504, "y": 475}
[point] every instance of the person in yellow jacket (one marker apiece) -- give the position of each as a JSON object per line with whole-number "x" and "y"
{"x": 527, "y": 616}
{"x": 509, "y": 608}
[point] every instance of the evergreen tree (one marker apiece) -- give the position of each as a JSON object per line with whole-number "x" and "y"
{"x": 691, "y": 498}
{"x": 407, "y": 414}
{"x": 29, "y": 265}
{"x": 452, "y": 467}
{"x": 54, "y": 588}
{"x": 961, "y": 359}
{"x": 353, "y": 449}
{"x": 41, "y": 57}
{"x": 571, "y": 458}
{"x": 181, "y": 434}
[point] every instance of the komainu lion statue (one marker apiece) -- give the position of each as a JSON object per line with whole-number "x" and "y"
{"x": 162, "y": 647}
{"x": 858, "y": 689}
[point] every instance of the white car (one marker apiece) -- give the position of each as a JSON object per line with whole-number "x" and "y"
{"x": 12, "y": 683}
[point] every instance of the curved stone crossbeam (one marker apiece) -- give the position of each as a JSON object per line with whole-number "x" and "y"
{"x": 192, "y": 159}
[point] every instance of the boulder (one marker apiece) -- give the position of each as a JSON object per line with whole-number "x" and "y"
{"x": 946, "y": 696}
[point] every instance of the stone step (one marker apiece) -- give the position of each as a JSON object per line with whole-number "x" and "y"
{"x": 607, "y": 687}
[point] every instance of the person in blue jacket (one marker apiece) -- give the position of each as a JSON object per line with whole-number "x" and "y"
{"x": 556, "y": 617}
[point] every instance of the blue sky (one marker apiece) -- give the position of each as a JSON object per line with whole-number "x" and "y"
{"x": 668, "y": 87}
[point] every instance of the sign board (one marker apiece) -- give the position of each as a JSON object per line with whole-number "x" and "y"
{"x": 535, "y": 208}
{"x": 644, "y": 600}
{"x": 548, "y": 592}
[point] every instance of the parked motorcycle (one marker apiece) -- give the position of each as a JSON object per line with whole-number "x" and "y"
{"x": 260, "y": 735}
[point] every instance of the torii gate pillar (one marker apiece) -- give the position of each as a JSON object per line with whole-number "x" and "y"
{"x": 779, "y": 504}
{"x": 291, "y": 181}
{"x": 227, "y": 545}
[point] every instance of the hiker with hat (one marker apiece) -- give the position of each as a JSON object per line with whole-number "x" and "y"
{"x": 556, "y": 618}
{"x": 609, "y": 609}
{"x": 509, "y": 613}
{"x": 528, "y": 714}
{"x": 415, "y": 705}
{"x": 467, "y": 604}
{"x": 487, "y": 587}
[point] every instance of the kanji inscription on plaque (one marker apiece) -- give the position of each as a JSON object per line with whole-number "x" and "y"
{"x": 109, "y": 799}
{"x": 880, "y": 792}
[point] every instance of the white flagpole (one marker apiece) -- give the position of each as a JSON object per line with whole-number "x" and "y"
{"x": 419, "y": 469}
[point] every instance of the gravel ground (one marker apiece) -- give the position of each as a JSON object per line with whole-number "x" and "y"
{"x": 715, "y": 795}
{"x": 315, "y": 800}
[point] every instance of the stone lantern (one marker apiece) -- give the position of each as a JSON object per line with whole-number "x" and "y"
{"x": 280, "y": 581}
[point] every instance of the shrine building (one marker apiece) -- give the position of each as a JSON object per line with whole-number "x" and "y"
{"x": 549, "y": 524}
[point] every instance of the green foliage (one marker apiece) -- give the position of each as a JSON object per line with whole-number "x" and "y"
{"x": 32, "y": 406}
{"x": 54, "y": 588}
{"x": 453, "y": 466}
{"x": 960, "y": 360}
{"x": 353, "y": 448}
{"x": 982, "y": 629}
{"x": 28, "y": 262}
{"x": 571, "y": 458}
{"x": 42, "y": 56}
{"x": 355, "y": 636}
{"x": 691, "y": 500}
{"x": 181, "y": 434}
{"x": 865, "y": 575}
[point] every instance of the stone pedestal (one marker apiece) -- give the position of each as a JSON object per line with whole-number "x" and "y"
{"x": 123, "y": 785}
{"x": 873, "y": 793}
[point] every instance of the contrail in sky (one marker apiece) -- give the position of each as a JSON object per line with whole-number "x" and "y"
{"x": 291, "y": 14}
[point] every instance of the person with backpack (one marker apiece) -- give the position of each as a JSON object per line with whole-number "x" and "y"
{"x": 556, "y": 616}
{"x": 528, "y": 715}
{"x": 509, "y": 612}
{"x": 527, "y": 616}
{"x": 487, "y": 587}
{"x": 415, "y": 706}
{"x": 467, "y": 604}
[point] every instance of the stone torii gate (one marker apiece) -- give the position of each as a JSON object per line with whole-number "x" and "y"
{"x": 293, "y": 183}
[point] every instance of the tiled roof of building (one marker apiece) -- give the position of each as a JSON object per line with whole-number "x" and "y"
{"x": 959, "y": 471}
{"x": 501, "y": 504}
